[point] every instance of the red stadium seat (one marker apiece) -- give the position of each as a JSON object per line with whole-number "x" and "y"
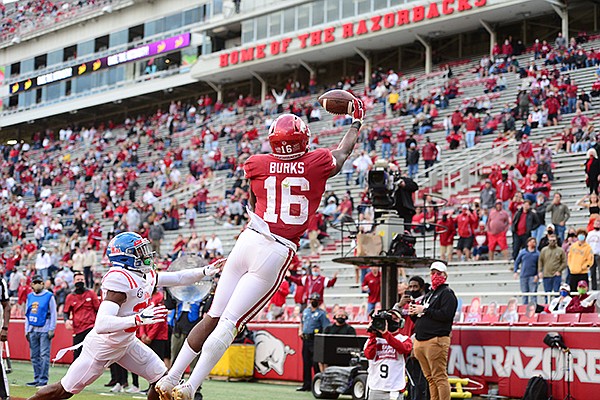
{"x": 521, "y": 309}
{"x": 546, "y": 319}
{"x": 566, "y": 319}
{"x": 588, "y": 319}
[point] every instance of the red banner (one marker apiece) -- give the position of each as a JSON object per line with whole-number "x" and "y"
{"x": 505, "y": 355}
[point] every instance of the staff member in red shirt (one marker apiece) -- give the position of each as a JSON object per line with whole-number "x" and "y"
{"x": 80, "y": 311}
{"x": 372, "y": 284}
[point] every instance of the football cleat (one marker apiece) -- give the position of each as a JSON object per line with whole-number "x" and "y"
{"x": 184, "y": 391}
{"x": 164, "y": 387}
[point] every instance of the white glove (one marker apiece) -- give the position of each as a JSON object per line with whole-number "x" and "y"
{"x": 214, "y": 268}
{"x": 151, "y": 315}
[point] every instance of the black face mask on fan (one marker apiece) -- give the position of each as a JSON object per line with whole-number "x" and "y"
{"x": 79, "y": 287}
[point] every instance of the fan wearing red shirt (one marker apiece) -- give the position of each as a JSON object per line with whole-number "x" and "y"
{"x": 286, "y": 187}
{"x": 466, "y": 223}
{"x": 156, "y": 336}
{"x": 80, "y": 309}
{"x": 277, "y": 303}
{"x": 372, "y": 284}
{"x": 447, "y": 230}
{"x": 505, "y": 189}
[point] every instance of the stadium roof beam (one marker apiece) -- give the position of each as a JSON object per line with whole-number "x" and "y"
{"x": 263, "y": 86}
{"x": 492, "y": 33}
{"x": 310, "y": 69}
{"x": 561, "y": 9}
{"x": 217, "y": 88}
{"x": 428, "y": 53}
{"x": 367, "y": 66}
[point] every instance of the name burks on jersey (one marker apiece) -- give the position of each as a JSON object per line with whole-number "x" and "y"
{"x": 286, "y": 167}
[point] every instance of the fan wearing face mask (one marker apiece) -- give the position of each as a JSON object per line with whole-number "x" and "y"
{"x": 559, "y": 304}
{"x": 81, "y": 307}
{"x": 580, "y": 259}
{"x": 578, "y": 303}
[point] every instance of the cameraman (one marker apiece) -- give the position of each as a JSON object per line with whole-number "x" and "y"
{"x": 433, "y": 325}
{"x": 385, "y": 351}
{"x": 403, "y": 197}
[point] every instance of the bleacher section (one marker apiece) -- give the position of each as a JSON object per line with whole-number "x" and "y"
{"x": 490, "y": 280}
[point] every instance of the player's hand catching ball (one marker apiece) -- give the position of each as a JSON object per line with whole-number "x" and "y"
{"x": 214, "y": 268}
{"x": 358, "y": 112}
{"x": 151, "y": 315}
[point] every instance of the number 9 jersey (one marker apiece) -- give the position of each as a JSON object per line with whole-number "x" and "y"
{"x": 288, "y": 192}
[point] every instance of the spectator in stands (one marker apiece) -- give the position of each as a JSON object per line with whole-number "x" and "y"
{"x": 487, "y": 196}
{"x": 593, "y": 239}
{"x": 276, "y": 305}
{"x": 558, "y": 305}
{"x": 576, "y": 305}
{"x": 466, "y": 223}
{"x": 372, "y": 285}
{"x": 156, "y": 235}
{"x": 580, "y": 259}
{"x": 560, "y": 214}
{"x": 43, "y": 263}
{"x": 545, "y": 240}
{"x": 526, "y": 269}
{"x": 592, "y": 171}
{"x": 551, "y": 263}
{"x": 498, "y": 223}
{"x": 447, "y": 230}
{"x": 40, "y": 325}
{"x": 430, "y": 154}
{"x": 313, "y": 282}
{"x": 412, "y": 160}
{"x": 505, "y": 189}
{"x": 472, "y": 126}
{"x": 362, "y": 164}
{"x": 80, "y": 311}
{"x": 524, "y": 222}
{"x": 214, "y": 245}
{"x": 433, "y": 324}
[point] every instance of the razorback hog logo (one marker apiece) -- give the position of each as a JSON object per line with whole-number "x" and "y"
{"x": 270, "y": 353}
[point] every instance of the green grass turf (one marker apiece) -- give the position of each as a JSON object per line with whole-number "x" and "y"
{"x": 212, "y": 389}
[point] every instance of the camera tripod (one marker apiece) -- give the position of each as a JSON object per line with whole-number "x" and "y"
{"x": 567, "y": 372}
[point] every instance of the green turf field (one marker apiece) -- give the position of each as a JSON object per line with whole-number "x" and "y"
{"x": 212, "y": 390}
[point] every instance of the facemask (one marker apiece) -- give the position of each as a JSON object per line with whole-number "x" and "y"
{"x": 314, "y": 273}
{"x": 597, "y": 229}
{"x": 581, "y": 290}
{"x": 340, "y": 320}
{"x": 550, "y": 232}
{"x": 413, "y": 293}
{"x": 79, "y": 287}
{"x": 581, "y": 238}
{"x": 314, "y": 303}
{"x": 37, "y": 287}
{"x": 564, "y": 293}
{"x": 393, "y": 326}
{"x": 552, "y": 244}
{"x": 437, "y": 280}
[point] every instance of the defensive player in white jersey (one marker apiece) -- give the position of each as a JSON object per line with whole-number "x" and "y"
{"x": 285, "y": 191}
{"x": 126, "y": 291}
{"x": 386, "y": 350}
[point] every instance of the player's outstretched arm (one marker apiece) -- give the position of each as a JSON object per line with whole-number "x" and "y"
{"x": 108, "y": 321}
{"x": 190, "y": 276}
{"x": 348, "y": 142}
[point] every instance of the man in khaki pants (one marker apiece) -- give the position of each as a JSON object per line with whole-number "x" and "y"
{"x": 433, "y": 324}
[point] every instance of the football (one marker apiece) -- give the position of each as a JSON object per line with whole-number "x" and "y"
{"x": 338, "y": 102}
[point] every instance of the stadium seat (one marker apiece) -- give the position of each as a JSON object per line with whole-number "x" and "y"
{"x": 522, "y": 308}
{"x": 546, "y": 319}
{"x": 566, "y": 319}
{"x": 588, "y": 319}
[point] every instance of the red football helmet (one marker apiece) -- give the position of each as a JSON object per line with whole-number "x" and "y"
{"x": 289, "y": 137}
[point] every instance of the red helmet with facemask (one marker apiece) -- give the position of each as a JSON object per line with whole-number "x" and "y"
{"x": 289, "y": 137}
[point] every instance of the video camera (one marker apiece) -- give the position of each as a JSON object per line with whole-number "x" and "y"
{"x": 382, "y": 186}
{"x": 384, "y": 319}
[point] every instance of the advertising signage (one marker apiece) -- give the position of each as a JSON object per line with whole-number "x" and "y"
{"x": 376, "y": 23}
{"x": 135, "y": 54}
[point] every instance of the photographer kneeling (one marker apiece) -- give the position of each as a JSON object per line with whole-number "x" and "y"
{"x": 385, "y": 351}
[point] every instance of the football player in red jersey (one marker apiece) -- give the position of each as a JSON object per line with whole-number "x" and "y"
{"x": 285, "y": 191}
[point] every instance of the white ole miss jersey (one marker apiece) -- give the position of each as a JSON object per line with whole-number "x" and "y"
{"x": 138, "y": 290}
{"x": 386, "y": 370}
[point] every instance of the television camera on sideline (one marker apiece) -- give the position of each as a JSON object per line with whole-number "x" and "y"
{"x": 389, "y": 190}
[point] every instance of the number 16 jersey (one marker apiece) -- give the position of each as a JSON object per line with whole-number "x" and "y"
{"x": 288, "y": 192}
